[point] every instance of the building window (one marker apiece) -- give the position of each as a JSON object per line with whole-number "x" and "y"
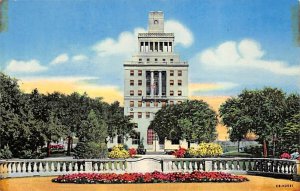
{"x": 171, "y": 72}
{"x": 179, "y": 82}
{"x": 179, "y": 102}
{"x": 148, "y": 104}
{"x": 135, "y": 125}
{"x": 171, "y": 60}
{"x": 139, "y": 114}
{"x": 156, "y": 104}
{"x": 163, "y": 60}
{"x": 171, "y": 82}
{"x": 140, "y": 60}
{"x": 140, "y": 103}
{"x": 171, "y": 103}
{"x": 131, "y": 72}
{"x": 140, "y": 92}
{"x": 155, "y": 59}
{"x": 131, "y": 103}
{"x": 140, "y": 82}
{"x": 131, "y": 92}
{"x": 147, "y": 114}
{"x": 120, "y": 139}
{"x": 131, "y": 82}
{"x": 131, "y": 115}
{"x": 140, "y": 73}
{"x": 136, "y": 138}
{"x": 163, "y": 104}
{"x": 179, "y": 73}
{"x": 150, "y": 136}
{"x": 179, "y": 93}
{"x": 171, "y": 93}
{"x": 148, "y": 59}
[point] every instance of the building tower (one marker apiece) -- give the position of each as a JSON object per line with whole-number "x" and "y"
{"x": 154, "y": 77}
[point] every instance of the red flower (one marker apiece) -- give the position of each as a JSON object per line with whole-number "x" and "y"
{"x": 285, "y": 156}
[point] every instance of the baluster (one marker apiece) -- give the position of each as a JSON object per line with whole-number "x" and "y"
{"x": 95, "y": 167}
{"x": 221, "y": 165}
{"x": 52, "y": 167}
{"x": 101, "y": 166}
{"x": 58, "y": 167}
{"x": 226, "y": 165}
{"x": 34, "y": 167}
{"x": 24, "y": 167}
{"x": 70, "y": 167}
{"x": 238, "y": 165}
{"x": 81, "y": 167}
{"x": 232, "y": 165}
{"x": 76, "y": 167}
{"x": 196, "y": 165}
{"x": 215, "y": 165}
{"x": 19, "y": 167}
{"x": 13, "y": 167}
{"x": 47, "y": 167}
{"x": 201, "y": 166}
{"x": 29, "y": 167}
{"x": 9, "y": 168}
{"x": 64, "y": 168}
{"x": 41, "y": 167}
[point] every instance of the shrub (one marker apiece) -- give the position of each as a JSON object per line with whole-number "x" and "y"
{"x": 29, "y": 154}
{"x": 205, "y": 150}
{"x": 118, "y": 152}
{"x": 5, "y": 153}
{"x": 132, "y": 152}
{"x": 180, "y": 153}
{"x": 87, "y": 150}
{"x": 285, "y": 156}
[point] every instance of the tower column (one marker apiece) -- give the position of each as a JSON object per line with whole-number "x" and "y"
{"x": 160, "y": 84}
{"x": 152, "y": 84}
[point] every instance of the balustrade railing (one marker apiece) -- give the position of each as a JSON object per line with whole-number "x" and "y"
{"x": 47, "y": 167}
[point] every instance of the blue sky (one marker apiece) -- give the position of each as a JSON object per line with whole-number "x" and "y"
{"x": 230, "y": 45}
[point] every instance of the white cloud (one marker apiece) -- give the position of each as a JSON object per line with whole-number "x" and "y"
{"x": 182, "y": 34}
{"x": 244, "y": 55}
{"x": 62, "y": 58}
{"x": 79, "y": 58}
{"x": 126, "y": 43}
{"x": 20, "y": 66}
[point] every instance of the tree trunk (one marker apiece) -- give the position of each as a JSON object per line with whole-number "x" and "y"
{"x": 69, "y": 146}
{"x": 189, "y": 144}
{"x": 265, "y": 148}
{"x": 48, "y": 149}
{"x": 238, "y": 146}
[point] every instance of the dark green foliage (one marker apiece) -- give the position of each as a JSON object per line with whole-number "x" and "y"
{"x": 192, "y": 120}
{"x": 5, "y": 153}
{"x": 265, "y": 112}
{"x": 27, "y": 121}
{"x": 87, "y": 150}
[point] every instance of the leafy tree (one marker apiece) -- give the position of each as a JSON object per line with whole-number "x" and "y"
{"x": 118, "y": 123}
{"x": 259, "y": 111}
{"x": 291, "y": 134}
{"x": 191, "y": 120}
{"x": 92, "y": 135}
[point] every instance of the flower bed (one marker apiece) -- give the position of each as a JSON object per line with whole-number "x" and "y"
{"x": 154, "y": 177}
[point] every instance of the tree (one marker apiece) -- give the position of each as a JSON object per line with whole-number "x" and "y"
{"x": 260, "y": 111}
{"x": 191, "y": 120}
{"x": 92, "y": 135}
{"x": 53, "y": 131}
{"x": 118, "y": 123}
{"x": 232, "y": 117}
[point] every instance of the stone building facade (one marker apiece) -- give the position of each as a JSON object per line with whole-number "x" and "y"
{"x": 154, "y": 77}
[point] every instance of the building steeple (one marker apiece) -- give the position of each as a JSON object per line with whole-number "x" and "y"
{"x": 156, "y": 22}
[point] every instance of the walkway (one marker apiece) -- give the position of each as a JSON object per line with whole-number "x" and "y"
{"x": 44, "y": 184}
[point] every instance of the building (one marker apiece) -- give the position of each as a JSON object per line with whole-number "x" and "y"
{"x": 154, "y": 77}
